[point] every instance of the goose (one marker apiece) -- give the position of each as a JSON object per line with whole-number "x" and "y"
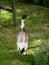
{"x": 22, "y": 38}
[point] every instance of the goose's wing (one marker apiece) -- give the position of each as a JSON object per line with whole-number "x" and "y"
{"x": 26, "y": 42}
{"x": 20, "y": 40}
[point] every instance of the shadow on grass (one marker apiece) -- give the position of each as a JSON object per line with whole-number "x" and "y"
{"x": 15, "y": 56}
{"x": 27, "y": 58}
{"x": 35, "y": 46}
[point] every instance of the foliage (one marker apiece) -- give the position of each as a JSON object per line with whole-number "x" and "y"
{"x": 42, "y": 56}
{"x": 46, "y": 3}
{"x": 37, "y": 27}
{"x": 40, "y": 2}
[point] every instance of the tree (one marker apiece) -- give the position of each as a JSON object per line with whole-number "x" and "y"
{"x": 12, "y": 9}
{"x": 41, "y": 2}
{"x": 29, "y": 1}
{"x": 14, "y": 12}
{"x": 5, "y": 8}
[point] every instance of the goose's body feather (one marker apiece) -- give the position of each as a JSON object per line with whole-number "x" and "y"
{"x": 22, "y": 40}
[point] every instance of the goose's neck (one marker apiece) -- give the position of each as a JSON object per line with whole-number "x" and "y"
{"x": 22, "y": 24}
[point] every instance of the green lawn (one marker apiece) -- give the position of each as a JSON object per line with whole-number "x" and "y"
{"x": 37, "y": 27}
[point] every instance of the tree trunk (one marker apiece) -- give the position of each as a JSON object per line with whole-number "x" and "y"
{"x": 41, "y": 2}
{"x": 14, "y": 12}
{"x": 5, "y": 8}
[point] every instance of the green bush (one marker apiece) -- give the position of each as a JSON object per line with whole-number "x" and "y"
{"x": 40, "y": 2}
{"x": 42, "y": 56}
{"x": 46, "y": 3}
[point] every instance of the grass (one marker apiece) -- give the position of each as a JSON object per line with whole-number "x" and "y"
{"x": 37, "y": 27}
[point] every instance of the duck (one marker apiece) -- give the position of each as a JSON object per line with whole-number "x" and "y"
{"x": 22, "y": 38}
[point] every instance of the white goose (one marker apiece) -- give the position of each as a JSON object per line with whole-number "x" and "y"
{"x": 22, "y": 38}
